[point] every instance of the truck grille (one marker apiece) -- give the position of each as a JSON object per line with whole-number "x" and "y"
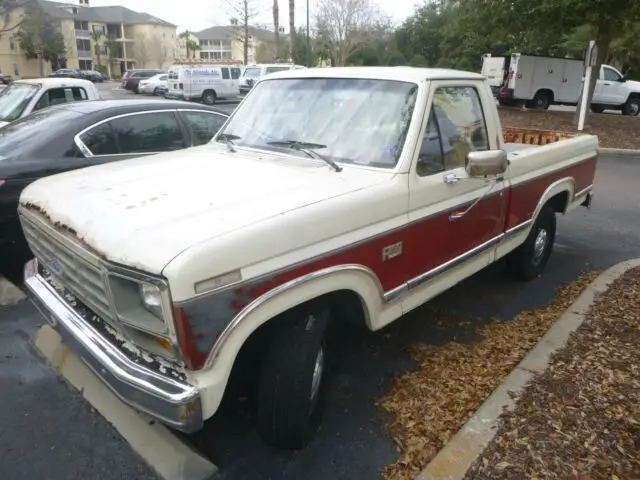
{"x": 83, "y": 278}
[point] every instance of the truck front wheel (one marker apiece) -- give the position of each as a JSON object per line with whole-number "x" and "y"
{"x": 292, "y": 378}
{"x": 632, "y": 107}
{"x": 529, "y": 260}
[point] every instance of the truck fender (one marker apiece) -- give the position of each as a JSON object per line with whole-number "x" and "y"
{"x": 563, "y": 185}
{"x": 356, "y": 278}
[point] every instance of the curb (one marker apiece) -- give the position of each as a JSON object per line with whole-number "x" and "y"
{"x": 621, "y": 152}
{"x": 9, "y": 293}
{"x": 170, "y": 457}
{"x": 457, "y": 456}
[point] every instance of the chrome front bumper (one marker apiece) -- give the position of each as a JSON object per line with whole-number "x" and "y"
{"x": 172, "y": 402}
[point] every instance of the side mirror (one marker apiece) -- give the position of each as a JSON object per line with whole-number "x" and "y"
{"x": 487, "y": 163}
{"x": 622, "y": 79}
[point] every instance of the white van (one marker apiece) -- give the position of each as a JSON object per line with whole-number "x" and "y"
{"x": 493, "y": 69}
{"x": 253, "y": 73}
{"x": 206, "y": 83}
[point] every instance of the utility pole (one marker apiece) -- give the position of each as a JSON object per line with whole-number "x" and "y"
{"x": 308, "y": 39}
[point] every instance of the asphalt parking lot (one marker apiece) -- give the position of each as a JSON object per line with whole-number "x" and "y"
{"x": 47, "y": 431}
{"x": 112, "y": 90}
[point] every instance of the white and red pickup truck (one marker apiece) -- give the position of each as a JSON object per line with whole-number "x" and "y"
{"x": 330, "y": 195}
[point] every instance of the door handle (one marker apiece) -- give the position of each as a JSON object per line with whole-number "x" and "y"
{"x": 607, "y": 83}
{"x": 451, "y": 178}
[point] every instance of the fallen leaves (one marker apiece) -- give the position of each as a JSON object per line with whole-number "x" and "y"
{"x": 430, "y": 404}
{"x": 598, "y": 374}
{"x": 613, "y": 131}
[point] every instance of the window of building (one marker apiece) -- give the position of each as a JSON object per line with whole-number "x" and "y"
{"x": 85, "y": 64}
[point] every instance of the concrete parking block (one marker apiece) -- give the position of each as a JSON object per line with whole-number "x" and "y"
{"x": 161, "y": 449}
{"x": 9, "y": 293}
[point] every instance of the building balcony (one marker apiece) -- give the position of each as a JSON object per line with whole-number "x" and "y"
{"x": 84, "y": 54}
{"x": 83, "y": 33}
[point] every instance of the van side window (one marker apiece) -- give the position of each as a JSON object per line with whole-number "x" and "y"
{"x": 225, "y": 73}
{"x": 235, "y": 73}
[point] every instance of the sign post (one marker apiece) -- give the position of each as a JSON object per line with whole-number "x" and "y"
{"x": 590, "y": 60}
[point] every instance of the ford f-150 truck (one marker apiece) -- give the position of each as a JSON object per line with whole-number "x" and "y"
{"x": 329, "y": 195}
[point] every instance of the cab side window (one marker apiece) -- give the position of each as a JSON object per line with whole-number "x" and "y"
{"x": 225, "y": 73}
{"x": 457, "y": 117}
{"x": 611, "y": 75}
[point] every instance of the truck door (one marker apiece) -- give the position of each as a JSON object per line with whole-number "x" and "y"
{"x": 610, "y": 89}
{"x": 571, "y": 81}
{"x": 453, "y": 218}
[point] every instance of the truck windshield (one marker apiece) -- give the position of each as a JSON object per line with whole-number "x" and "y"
{"x": 251, "y": 72}
{"x": 14, "y": 99}
{"x": 355, "y": 120}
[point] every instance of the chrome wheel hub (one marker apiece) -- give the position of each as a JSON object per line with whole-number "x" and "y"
{"x": 318, "y": 370}
{"x": 540, "y": 244}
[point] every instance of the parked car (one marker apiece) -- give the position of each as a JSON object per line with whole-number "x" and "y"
{"x": 5, "y": 79}
{"x": 132, "y": 79}
{"x": 330, "y": 195}
{"x": 92, "y": 75}
{"x": 156, "y": 85}
{"x": 65, "y": 73}
{"x": 74, "y": 136}
{"x": 25, "y": 96}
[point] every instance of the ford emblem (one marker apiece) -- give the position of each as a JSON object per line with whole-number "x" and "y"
{"x": 56, "y": 267}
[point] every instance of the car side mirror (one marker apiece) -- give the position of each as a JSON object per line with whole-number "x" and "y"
{"x": 486, "y": 163}
{"x": 622, "y": 79}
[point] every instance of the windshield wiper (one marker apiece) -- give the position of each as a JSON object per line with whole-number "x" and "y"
{"x": 307, "y": 149}
{"x": 228, "y": 139}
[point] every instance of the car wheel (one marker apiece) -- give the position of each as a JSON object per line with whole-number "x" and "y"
{"x": 632, "y": 107}
{"x": 136, "y": 89}
{"x": 156, "y": 91}
{"x": 209, "y": 97}
{"x": 292, "y": 385}
{"x": 529, "y": 260}
{"x": 542, "y": 101}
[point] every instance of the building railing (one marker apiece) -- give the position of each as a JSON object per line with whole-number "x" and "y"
{"x": 83, "y": 33}
{"x": 84, "y": 53}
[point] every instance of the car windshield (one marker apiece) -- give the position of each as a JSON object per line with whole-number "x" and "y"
{"x": 46, "y": 122}
{"x": 349, "y": 120}
{"x": 252, "y": 73}
{"x": 14, "y": 99}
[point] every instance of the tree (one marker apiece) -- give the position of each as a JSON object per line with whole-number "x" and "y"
{"x": 6, "y": 9}
{"x": 342, "y": 22}
{"x": 244, "y": 11}
{"x": 39, "y": 36}
{"x": 190, "y": 44}
{"x": 98, "y": 36}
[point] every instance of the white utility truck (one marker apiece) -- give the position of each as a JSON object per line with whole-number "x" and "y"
{"x": 205, "y": 83}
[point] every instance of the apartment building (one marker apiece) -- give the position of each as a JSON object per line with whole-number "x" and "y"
{"x": 227, "y": 42}
{"x": 115, "y": 37}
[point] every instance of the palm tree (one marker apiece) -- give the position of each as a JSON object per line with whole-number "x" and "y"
{"x": 97, "y": 36}
{"x": 292, "y": 26}
{"x": 192, "y": 46}
{"x": 187, "y": 41}
{"x": 276, "y": 24}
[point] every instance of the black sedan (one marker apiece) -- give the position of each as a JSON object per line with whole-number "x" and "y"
{"x": 82, "y": 134}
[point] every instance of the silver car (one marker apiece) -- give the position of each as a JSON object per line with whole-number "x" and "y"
{"x": 156, "y": 85}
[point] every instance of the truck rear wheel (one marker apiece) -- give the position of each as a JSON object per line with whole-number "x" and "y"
{"x": 529, "y": 260}
{"x": 291, "y": 395}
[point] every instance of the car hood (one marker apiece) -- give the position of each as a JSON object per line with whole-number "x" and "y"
{"x": 2, "y": 124}
{"x": 634, "y": 84}
{"x": 144, "y": 212}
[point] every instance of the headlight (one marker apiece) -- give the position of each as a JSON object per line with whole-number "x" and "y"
{"x": 151, "y": 299}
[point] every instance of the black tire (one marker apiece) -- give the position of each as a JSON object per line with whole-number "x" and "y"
{"x": 632, "y": 107}
{"x": 136, "y": 89}
{"x": 155, "y": 92}
{"x": 209, "y": 97}
{"x": 529, "y": 260}
{"x": 542, "y": 101}
{"x": 290, "y": 404}
{"x": 597, "y": 108}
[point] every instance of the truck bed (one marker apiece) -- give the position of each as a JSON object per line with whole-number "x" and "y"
{"x": 518, "y": 139}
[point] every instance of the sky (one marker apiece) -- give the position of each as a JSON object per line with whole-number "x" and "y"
{"x": 200, "y": 14}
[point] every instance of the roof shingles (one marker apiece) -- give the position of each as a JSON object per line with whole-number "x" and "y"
{"x": 114, "y": 14}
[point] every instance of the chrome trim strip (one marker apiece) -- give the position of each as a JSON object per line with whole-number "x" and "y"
{"x": 172, "y": 402}
{"x": 518, "y": 228}
{"x": 454, "y": 262}
{"x": 583, "y": 192}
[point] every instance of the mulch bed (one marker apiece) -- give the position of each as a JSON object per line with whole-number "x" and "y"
{"x": 613, "y": 131}
{"x": 580, "y": 418}
{"x": 431, "y": 403}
